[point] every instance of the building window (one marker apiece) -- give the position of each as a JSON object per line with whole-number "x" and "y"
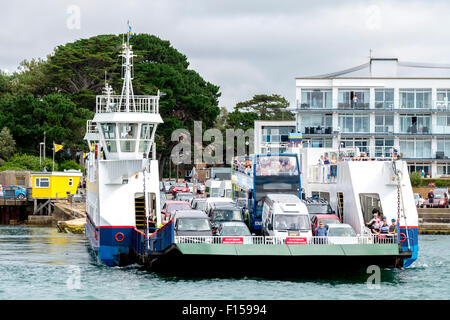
{"x": 416, "y": 148}
{"x": 360, "y": 143}
{"x": 443, "y": 169}
{"x": 316, "y": 98}
{"x": 317, "y": 143}
{"x": 316, "y": 123}
{"x": 42, "y": 182}
{"x": 415, "y": 123}
{"x": 384, "y": 123}
{"x": 354, "y": 123}
{"x": 70, "y": 182}
{"x": 443, "y": 149}
{"x": 276, "y": 134}
{"x": 347, "y": 98}
{"x": 418, "y": 167}
{"x": 443, "y": 98}
{"x": 442, "y": 124}
{"x": 415, "y": 98}
{"x": 383, "y": 147}
{"x": 384, "y": 98}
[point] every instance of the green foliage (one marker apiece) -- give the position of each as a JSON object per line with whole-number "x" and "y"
{"x": 267, "y": 107}
{"x": 416, "y": 179}
{"x": 7, "y": 145}
{"x": 70, "y": 165}
{"x": 243, "y": 120}
{"x": 438, "y": 182}
{"x": 55, "y": 114}
{"x": 56, "y": 95}
{"x": 27, "y": 162}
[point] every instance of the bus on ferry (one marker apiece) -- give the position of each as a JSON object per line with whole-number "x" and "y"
{"x": 255, "y": 176}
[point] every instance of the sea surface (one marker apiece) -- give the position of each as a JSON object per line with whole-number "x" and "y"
{"x": 40, "y": 263}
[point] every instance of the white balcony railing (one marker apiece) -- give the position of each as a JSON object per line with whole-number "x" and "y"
{"x": 91, "y": 127}
{"x": 115, "y": 103}
{"x": 434, "y": 105}
{"x": 261, "y": 240}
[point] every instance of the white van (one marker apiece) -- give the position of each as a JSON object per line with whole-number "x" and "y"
{"x": 285, "y": 215}
{"x": 211, "y": 200}
{"x": 225, "y": 188}
{"x": 213, "y": 188}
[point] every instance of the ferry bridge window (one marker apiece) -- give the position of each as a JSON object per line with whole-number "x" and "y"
{"x": 128, "y": 132}
{"x": 276, "y": 165}
{"x": 369, "y": 202}
{"x": 109, "y": 130}
{"x": 111, "y": 146}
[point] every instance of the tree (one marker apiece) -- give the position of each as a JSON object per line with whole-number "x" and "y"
{"x": 28, "y": 162}
{"x": 55, "y": 114}
{"x": 242, "y": 120}
{"x": 7, "y": 145}
{"x": 267, "y": 107}
{"x": 30, "y": 79}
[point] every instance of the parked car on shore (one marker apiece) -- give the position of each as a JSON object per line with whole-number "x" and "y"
{"x": 440, "y": 201}
{"x": 184, "y": 196}
{"x": 14, "y": 192}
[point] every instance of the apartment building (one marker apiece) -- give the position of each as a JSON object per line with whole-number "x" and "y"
{"x": 381, "y": 104}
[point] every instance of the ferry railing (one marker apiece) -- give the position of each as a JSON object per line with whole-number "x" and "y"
{"x": 115, "y": 103}
{"x": 261, "y": 240}
{"x": 91, "y": 127}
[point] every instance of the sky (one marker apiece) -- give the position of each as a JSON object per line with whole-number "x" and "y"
{"x": 246, "y": 47}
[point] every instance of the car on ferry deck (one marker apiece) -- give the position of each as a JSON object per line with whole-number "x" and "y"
{"x": 212, "y": 200}
{"x": 179, "y": 187}
{"x": 191, "y": 223}
{"x": 232, "y": 229}
{"x": 325, "y": 218}
{"x": 341, "y": 233}
{"x": 184, "y": 196}
{"x": 198, "y": 203}
{"x": 285, "y": 215}
{"x": 318, "y": 206}
{"x": 171, "y": 206}
{"x": 168, "y": 185}
{"x": 222, "y": 211}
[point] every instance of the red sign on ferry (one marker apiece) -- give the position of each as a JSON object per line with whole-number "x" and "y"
{"x": 296, "y": 240}
{"x": 232, "y": 240}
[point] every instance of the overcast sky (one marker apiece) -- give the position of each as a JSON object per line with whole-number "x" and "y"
{"x": 246, "y": 47}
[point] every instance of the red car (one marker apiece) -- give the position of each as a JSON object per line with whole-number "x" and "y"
{"x": 179, "y": 187}
{"x": 325, "y": 218}
{"x": 171, "y": 206}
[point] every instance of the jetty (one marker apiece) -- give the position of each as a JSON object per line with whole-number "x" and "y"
{"x": 434, "y": 220}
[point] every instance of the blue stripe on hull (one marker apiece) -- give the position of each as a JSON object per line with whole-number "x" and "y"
{"x": 104, "y": 244}
{"x": 413, "y": 235}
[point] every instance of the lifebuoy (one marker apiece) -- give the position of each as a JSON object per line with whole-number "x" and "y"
{"x": 121, "y": 235}
{"x": 404, "y": 237}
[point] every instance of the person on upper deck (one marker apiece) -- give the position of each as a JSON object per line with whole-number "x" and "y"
{"x": 393, "y": 227}
{"x": 384, "y": 227}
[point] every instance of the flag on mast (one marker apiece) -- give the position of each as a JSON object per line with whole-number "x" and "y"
{"x": 58, "y": 147}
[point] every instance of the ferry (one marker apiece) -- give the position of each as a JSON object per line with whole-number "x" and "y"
{"x": 124, "y": 222}
{"x": 122, "y": 170}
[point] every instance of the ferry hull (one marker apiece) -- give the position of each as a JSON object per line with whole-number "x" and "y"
{"x": 113, "y": 246}
{"x": 280, "y": 261}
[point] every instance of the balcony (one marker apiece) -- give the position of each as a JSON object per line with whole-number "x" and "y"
{"x": 396, "y": 105}
{"x": 319, "y": 130}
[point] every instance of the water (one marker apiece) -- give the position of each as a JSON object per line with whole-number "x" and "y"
{"x": 40, "y": 263}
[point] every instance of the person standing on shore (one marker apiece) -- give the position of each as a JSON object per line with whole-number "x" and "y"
{"x": 431, "y": 197}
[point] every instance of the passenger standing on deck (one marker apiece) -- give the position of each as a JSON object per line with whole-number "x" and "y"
{"x": 393, "y": 227}
{"x": 321, "y": 231}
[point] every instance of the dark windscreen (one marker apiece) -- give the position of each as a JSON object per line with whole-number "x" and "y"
{"x": 226, "y": 215}
{"x": 316, "y": 208}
